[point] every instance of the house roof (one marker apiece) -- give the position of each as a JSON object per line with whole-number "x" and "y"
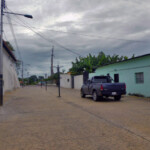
{"x": 9, "y": 51}
{"x": 128, "y": 59}
{"x": 137, "y": 57}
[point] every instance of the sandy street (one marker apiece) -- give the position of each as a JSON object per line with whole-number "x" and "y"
{"x": 35, "y": 119}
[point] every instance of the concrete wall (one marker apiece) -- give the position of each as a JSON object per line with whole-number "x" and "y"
{"x": 9, "y": 73}
{"x": 126, "y": 71}
{"x": 78, "y": 81}
{"x": 65, "y": 80}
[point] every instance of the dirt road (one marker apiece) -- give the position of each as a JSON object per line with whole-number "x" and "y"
{"x": 35, "y": 119}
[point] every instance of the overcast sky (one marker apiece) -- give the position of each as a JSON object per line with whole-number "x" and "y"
{"x": 83, "y": 26}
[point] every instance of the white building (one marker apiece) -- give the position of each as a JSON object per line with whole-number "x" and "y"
{"x": 65, "y": 80}
{"x": 9, "y": 70}
{"x": 68, "y": 81}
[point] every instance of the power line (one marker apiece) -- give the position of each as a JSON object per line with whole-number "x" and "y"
{"x": 44, "y": 37}
{"x": 97, "y": 36}
{"x": 91, "y": 36}
{"x": 5, "y": 36}
{"x": 13, "y": 34}
{"x": 58, "y": 44}
{"x": 49, "y": 40}
{"x": 15, "y": 40}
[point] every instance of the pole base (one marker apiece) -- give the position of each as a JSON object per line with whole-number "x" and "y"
{"x": 1, "y": 89}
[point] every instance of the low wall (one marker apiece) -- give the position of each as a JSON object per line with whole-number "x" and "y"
{"x": 78, "y": 81}
{"x": 65, "y": 80}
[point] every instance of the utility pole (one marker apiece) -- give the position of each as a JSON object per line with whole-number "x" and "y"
{"x": 46, "y": 82}
{"x": 58, "y": 82}
{"x": 58, "y": 71}
{"x": 46, "y": 85}
{"x": 1, "y": 54}
{"x": 52, "y": 55}
{"x": 28, "y": 77}
{"x": 1, "y": 46}
{"x": 22, "y": 75}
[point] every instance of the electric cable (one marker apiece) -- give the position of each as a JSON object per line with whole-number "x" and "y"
{"x": 49, "y": 40}
{"x": 86, "y": 35}
{"x": 95, "y": 36}
{"x": 60, "y": 45}
{"x": 13, "y": 34}
{"x": 5, "y": 36}
{"x": 43, "y": 36}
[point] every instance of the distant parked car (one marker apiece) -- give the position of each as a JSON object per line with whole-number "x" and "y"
{"x": 99, "y": 86}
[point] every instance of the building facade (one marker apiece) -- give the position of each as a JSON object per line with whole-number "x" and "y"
{"x": 10, "y": 77}
{"x": 134, "y": 72}
{"x": 69, "y": 81}
{"x": 65, "y": 80}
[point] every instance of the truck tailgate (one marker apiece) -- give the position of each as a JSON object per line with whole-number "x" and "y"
{"x": 114, "y": 87}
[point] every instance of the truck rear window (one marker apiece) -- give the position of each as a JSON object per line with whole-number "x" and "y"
{"x": 100, "y": 80}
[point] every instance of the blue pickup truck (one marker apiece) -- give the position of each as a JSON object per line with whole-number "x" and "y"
{"x": 100, "y": 86}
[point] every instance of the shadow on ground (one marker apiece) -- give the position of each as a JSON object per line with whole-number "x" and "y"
{"x": 104, "y": 99}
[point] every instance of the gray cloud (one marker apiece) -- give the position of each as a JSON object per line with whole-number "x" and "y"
{"x": 82, "y": 26}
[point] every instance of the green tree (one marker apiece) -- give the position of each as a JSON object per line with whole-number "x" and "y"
{"x": 90, "y": 63}
{"x": 33, "y": 79}
{"x": 9, "y": 46}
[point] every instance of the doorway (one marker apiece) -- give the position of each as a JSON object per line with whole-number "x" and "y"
{"x": 116, "y": 78}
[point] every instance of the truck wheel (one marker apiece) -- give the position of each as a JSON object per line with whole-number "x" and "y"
{"x": 117, "y": 98}
{"x": 100, "y": 98}
{"x": 95, "y": 96}
{"x": 82, "y": 94}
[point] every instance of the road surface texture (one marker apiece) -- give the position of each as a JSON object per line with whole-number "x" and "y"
{"x": 35, "y": 119}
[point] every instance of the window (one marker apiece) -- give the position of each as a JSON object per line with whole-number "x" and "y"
{"x": 100, "y": 79}
{"x": 139, "y": 77}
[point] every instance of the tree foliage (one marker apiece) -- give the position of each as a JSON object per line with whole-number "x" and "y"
{"x": 33, "y": 79}
{"x": 54, "y": 77}
{"x": 10, "y": 46}
{"x": 91, "y": 62}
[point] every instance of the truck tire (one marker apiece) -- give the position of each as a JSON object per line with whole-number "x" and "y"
{"x": 100, "y": 98}
{"x": 117, "y": 98}
{"x": 82, "y": 94}
{"x": 95, "y": 96}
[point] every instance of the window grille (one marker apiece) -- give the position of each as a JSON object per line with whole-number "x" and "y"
{"x": 139, "y": 77}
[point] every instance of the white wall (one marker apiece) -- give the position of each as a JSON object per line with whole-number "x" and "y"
{"x": 78, "y": 81}
{"x": 9, "y": 73}
{"x": 65, "y": 80}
